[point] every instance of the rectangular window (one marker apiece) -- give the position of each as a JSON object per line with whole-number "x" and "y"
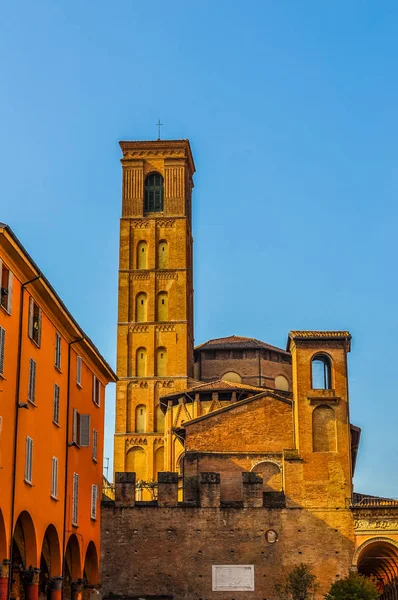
{"x": 2, "y": 349}
{"x": 57, "y": 350}
{"x": 79, "y": 370}
{"x": 32, "y": 381}
{"x": 96, "y": 391}
{"x": 54, "y": 477}
{"x": 56, "y": 404}
{"x": 75, "y": 499}
{"x": 95, "y": 444}
{"x": 28, "y": 459}
{"x": 94, "y": 501}
{"x": 81, "y": 429}
{"x": 34, "y": 321}
{"x": 6, "y": 278}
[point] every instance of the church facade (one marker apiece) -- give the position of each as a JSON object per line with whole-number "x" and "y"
{"x": 234, "y": 461}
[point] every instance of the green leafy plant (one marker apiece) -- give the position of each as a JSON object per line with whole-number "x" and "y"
{"x": 354, "y": 587}
{"x": 300, "y": 584}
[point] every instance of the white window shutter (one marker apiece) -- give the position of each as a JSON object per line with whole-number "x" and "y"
{"x": 2, "y": 349}
{"x": 94, "y": 500}
{"x": 95, "y": 444}
{"x": 75, "y": 426}
{"x": 31, "y": 307}
{"x": 84, "y": 430}
{"x": 39, "y": 334}
{"x": 10, "y": 286}
{"x": 32, "y": 380}
{"x": 28, "y": 459}
{"x": 54, "y": 477}
{"x": 56, "y": 404}
{"x": 79, "y": 370}
{"x": 75, "y": 499}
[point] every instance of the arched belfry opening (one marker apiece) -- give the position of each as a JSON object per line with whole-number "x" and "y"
{"x": 153, "y": 200}
{"x": 378, "y": 558}
{"x": 321, "y": 372}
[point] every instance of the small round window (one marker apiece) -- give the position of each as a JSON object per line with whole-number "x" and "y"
{"x": 271, "y": 536}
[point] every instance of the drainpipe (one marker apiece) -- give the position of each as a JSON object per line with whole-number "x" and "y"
{"x": 14, "y": 455}
{"x": 67, "y": 455}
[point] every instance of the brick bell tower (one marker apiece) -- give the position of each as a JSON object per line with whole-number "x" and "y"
{"x": 155, "y": 312}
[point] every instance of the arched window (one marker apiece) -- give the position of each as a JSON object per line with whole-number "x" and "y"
{"x": 140, "y": 418}
{"x": 159, "y": 460}
{"x": 142, "y": 255}
{"x": 153, "y": 193}
{"x": 163, "y": 306}
{"x": 232, "y": 376}
{"x": 323, "y": 429}
{"x": 141, "y": 308}
{"x": 271, "y": 474}
{"x": 159, "y": 420}
{"x": 321, "y": 372}
{"x": 141, "y": 362}
{"x": 163, "y": 255}
{"x": 281, "y": 383}
{"x": 135, "y": 462}
{"x": 161, "y": 362}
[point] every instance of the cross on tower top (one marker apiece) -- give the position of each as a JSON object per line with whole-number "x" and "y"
{"x": 159, "y": 124}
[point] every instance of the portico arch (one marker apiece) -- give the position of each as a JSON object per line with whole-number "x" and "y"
{"x": 51, "y": 551}
{"x": 91, "y": 565}
{"x": 73, "y": 565}
{"x": 378, "y": 557}
{"x": 25, "y": 540}
{"x": 3, "y": 539}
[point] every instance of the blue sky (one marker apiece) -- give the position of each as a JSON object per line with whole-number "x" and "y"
{"x": 291, "y": 110}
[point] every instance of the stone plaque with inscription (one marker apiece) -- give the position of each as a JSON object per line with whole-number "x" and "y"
{"x": 233, "y": 578}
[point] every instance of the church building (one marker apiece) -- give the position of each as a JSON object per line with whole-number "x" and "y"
{"x": 234, "y": 460}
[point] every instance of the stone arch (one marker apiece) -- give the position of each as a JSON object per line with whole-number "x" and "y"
{"x": 25, "y": 540}
{"x": 159, "y": 419}
{"x": 281, "y": 383}
{"x": 271, "y": 474}
{"x": 136, "y": 462}
{"x": 142, "y": 255}
{"x": 324, "y": 429}
{"x": 180, "y": 463}
{"x": 178, "y": 449}
{"x": 161, "y": 361}
{"x": 140, "y": 418}
{"x": 91, "y": 565}
{"x": 232, "y": 376}
{"x": 141, "y": 307}
{"x": 159, "y": 460}
{"x": 378, "y": 557}
{"x": 141, "y": 362}
{"x": 162, "y": 306}
{"x": 51, "y": 551}
{"x": 163, "y": 255}
{"x": 3, "y": 538}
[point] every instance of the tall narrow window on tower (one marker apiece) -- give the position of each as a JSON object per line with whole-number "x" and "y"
{"x": 163, "y": 255}
{"x": 153, "y": 193}
{"x": 162, "y": 306}
{"x": 142, "y": 255}
{"x": 321, "y": 372}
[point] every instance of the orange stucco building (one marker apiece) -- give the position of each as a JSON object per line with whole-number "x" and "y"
{"x": 52, "y": 396}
